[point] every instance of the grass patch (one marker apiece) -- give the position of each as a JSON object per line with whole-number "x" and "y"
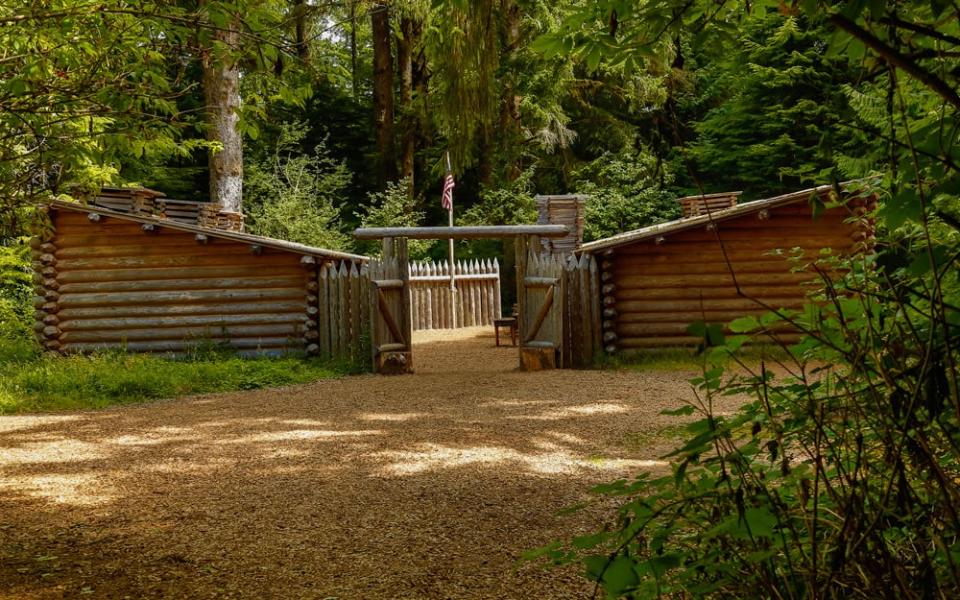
{"x": 684, "y": 359}
{"x": 668, "y": 433}
{"x": 33, "y": 382}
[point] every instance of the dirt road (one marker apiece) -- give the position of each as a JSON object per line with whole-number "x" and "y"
{"x": 421, "y": 486}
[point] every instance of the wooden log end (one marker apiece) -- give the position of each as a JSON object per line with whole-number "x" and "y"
{"x": 312, "y": 310}
{"x": 609, "y": 288}
{"x": 609, "y": 337}
{"x": 606, "y": 276}
{"x": 94, "y": 217}
{"x": 51, "y": 331}
{"x": 308, "y": 261}
{"x": 538, "y": 359}
{"x": 610, "y": 313}
{"x": 313, "y": 349}
{"x": 36, "y": 243}
{"x": 610, "y": 349}
{"x": 148, "y": 228}
{"x": 394, "y": 363}
{"x": 312, "y": 299}
{"x": 201, "y": 238}
{"x": 313, "y": 285}
{"x": 311, "y": 334}
{"x": 609, "y": 301}
{"x": 51, "y": 320}
{"x": 52, "y": 345}
{"x": 47, "y": 247}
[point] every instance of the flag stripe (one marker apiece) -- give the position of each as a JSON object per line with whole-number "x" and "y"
{"x": 447, "y": 198}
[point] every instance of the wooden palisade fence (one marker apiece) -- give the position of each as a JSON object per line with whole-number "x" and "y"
{"x": 559, "y": 311}
{"x": 475, "y": 302}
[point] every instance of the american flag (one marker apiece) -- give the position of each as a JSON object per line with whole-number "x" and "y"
{"x": 447, "y": 198}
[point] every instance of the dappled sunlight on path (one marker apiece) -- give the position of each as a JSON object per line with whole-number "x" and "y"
{"x": 420, "y": 486}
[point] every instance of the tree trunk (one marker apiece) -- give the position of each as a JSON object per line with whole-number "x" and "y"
{"x": 407, "y": 44}
{"x": 383, "y": 92}
{"x": 353, "y": 49}
{"x": 300, "y": 29}
{"x": 509, "y": 122}
{"x": 221, "y": 91}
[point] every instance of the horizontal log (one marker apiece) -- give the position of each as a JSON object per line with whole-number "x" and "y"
{"x": 185, "y": 272}
{"x": 638, "y": 266}
{"x": 540, "y": 281}
{"x": 391, "y": 347}
{"x": 711, "y": 293}
{"x": 461, "y": 233}
{"x": 278, "y": 344}
{"x": 177, "y": 260}
{"x": 668, "y": 341}
{"x": 712, "y": 255}
{"x": 628, "y": 330}
{"x": 147, "y": 298}
{"x": 387, "y": 284}
{"x": 647, "y": 282}
{"x": 758, "y": 247}
{"x": 217, "y": 321}
{"x": 213, "y": 308}
{"x": 183, "y": 284}
{"x": 743, "y": 305}
{"x": 711, "y": 316}
{"x": 273, "y": 330}
{"x": 144, "y": 246}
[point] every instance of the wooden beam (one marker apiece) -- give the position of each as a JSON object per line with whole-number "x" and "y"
{"x": 461, "y": 233}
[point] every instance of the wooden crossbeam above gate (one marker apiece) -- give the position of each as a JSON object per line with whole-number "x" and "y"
{"x": 461, "y": 233}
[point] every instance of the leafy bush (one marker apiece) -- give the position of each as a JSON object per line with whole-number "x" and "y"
{"x": 295, "y": 196}
{"x": 840, "y": 477}
{"x": 511, "y": 204}
{"x": 624, "y": 195}
{"x": 16, "y": 312}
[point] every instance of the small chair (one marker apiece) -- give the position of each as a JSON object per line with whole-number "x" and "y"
{"x": 510, "y": 322}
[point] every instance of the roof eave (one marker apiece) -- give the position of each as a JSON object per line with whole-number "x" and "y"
{"x": 245, "y": 238}
{"x": 645, "y": 233}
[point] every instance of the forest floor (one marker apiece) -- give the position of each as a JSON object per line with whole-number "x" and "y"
{"x": 422, "y": 486}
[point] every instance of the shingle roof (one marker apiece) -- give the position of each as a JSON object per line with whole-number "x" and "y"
{"x": 211, "y": 232}
{"x": 744, "y": 208}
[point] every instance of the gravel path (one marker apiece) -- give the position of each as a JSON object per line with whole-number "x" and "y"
{"x": 421, "y": 486}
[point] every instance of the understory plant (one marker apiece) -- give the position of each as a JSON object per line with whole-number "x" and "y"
{"x": 839, "y": 476}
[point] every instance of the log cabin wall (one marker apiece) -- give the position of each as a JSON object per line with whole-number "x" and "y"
{"x": 654, "y": 288}
{"x": 114, "y": 283}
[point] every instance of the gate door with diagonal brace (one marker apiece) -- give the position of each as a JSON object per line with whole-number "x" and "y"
{"x": 540, "y": 308}
{"x": 391, "y": 331}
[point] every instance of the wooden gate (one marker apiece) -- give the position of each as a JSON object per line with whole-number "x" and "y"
{"x": 540, "y": 307}
{"x": 391, "y": 329}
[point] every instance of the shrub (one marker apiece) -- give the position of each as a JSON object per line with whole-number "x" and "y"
{"x": 624, "y": 194}
{"x": 840, "y": 477}
{"x": 394, "y": 207}
{"x": 293, "y": 196}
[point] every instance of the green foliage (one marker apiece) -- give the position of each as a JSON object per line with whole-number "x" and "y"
{"x": 625, "y": 193}
{"x": 295, "y": 197}
{"x": 840, "y": 475}
{"x": 30, "y": 383}
{"x": 512, "y": 204}
{"x": 16, "y": 287}
{"x": 394, "y": 208}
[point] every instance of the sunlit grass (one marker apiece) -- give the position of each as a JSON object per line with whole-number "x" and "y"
{"x": 33, "y": 382}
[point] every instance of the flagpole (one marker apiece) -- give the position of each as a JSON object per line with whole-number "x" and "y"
{"x": 453, "y": 265}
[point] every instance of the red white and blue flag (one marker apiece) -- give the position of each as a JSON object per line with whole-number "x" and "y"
{"x": 447, "y": 198}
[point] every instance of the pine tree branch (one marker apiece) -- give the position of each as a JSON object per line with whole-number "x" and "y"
{"x": 897, "y": 59}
